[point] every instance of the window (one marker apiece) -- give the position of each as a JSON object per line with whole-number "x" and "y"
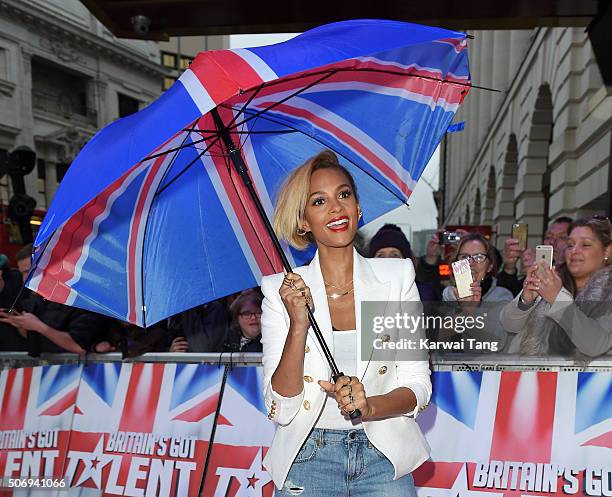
{"x": 42, "y": 168}
{"x": 169, "y": 60}
{"x": 3, "y": 63}
{"x": 61, "y": 168}
{"x": 168, "y": 82}
{"x": 60, "y": 92}
{"x": 185, "y": 62}
{"x": 127, "y": 105}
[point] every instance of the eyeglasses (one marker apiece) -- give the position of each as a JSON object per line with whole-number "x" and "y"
{"x": 476, "y": 258}
{"x": 248, "y": 314}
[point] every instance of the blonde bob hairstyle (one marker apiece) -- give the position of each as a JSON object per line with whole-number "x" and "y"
{"x": 292, "y": 198}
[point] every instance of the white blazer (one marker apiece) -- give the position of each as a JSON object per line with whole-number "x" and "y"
{"x": 399, "y": 438}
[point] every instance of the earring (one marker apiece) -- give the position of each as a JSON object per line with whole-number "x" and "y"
{"x": 606, "y": 259}
{"x": 359, "y": 213}
{"x": 301, "y": 231}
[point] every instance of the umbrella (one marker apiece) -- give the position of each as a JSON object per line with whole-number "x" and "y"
{"x": 167, "y": 209}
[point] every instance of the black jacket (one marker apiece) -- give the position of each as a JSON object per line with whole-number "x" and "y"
{"x": 84, "y": 327}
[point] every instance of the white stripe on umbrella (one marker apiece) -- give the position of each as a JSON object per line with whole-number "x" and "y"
{"x": 197, "y": 91}
{"x": 264, "y": 71}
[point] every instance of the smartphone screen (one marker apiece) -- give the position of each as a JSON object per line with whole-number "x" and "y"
{"x": 519, "y": 231}
{"x": 544, "y": 253}
{"x": 463, "y": 277}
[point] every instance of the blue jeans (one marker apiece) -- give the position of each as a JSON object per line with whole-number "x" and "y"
{"x": 343, "y": 463}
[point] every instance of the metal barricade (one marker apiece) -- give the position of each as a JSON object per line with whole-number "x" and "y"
{"x": 445, "y": 362}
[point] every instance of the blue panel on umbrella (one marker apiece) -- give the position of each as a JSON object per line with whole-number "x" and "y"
{"x": 103, "y": 281}
{"x": 349, "y": 39}
{"x": 189, "y": 229}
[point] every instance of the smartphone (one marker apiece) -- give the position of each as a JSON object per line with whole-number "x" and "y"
{"x": 449, "y": 237}
{"x": 544, "y": 253}
{"x": 519, "y": 231}
{"x": 463, "y": 277}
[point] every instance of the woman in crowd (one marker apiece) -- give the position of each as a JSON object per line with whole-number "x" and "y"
{"x": 244, "y": 333}
{"x": 390, "y": 241}
{"x": 561, "y": 310}
{"x": 484, "y": 264}
{"x": 317, "y": 449}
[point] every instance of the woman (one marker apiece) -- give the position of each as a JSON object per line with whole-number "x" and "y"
{"x": 390, "y": 241}
{"x": 483, "y": 263}
{"x": 317, "y": 450}
{"x": 244, "y": 334}
{"x": 561, "y": 310}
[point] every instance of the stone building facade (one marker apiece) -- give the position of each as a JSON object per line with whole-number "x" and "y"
{"x": 63, "y": 76}
{"x": 540, "y": 148}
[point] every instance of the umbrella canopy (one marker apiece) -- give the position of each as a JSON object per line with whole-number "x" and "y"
{"x": 151, "y": 218}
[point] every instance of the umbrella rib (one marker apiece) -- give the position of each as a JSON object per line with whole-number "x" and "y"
{"x": 386, "y": 71}
{"x": 176, "y": 149}
{"x": 339, "y": 153}
{"x": 281, "y": 101}
{"x": 184, "y": 170}
{"x": 284, "y": 132}
{"x": 246, "y": 104}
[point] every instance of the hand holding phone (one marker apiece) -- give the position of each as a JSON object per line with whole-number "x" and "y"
{"x": 463, "y": 278}
{"x": 519, "y": 233}
{"x": 544, "y": 253}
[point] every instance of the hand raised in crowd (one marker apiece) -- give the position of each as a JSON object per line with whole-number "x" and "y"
{"x": 349, "y": 394}
{"x": 104, "y": 347}
{"x": 541, "y": 281}
{"x": 179, "y": 344}
{"x": 6, "y": 318}
{"x": 23, "y": 321}
{"x": 511, "y": 254}
{"x": 476, "y": 293}
{"x": 433, "y": 249}
{"x": 531, "y": 285}
{"x": 295, "y": 296}
{"x": 527, "y": 258}
{"x": 550, "y": 283}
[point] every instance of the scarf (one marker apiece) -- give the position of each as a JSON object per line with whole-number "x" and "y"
{"x": 543, "y": 335}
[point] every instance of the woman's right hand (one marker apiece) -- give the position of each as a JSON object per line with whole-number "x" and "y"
{"x": 295, "y": 296}
{"x": 531, "y": 285}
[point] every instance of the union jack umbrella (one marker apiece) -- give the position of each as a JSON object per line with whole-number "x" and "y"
{"x": 152, "y": 219}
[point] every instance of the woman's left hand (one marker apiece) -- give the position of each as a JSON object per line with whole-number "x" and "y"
{"x": 349, "y": 394}
{"x": 550, "y": 283}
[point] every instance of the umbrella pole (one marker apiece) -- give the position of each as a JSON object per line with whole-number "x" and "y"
{"x": 242, "y": 169}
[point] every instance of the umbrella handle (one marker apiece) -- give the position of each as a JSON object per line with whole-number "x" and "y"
{"x": 356, "y": 413}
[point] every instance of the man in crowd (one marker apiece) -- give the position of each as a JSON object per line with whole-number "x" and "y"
{"x": 201, "y": 329}
{"x": 556, "y": 235}
{"x": 48, "y": 326}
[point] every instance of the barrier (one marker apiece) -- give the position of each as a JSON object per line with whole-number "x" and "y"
{"x": 144, "y": 427}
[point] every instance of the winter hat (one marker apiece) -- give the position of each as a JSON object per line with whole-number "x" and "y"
{"x": 391, "y": 235}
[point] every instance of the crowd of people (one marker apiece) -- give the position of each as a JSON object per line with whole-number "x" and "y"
{"x": 530, "y": 308}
